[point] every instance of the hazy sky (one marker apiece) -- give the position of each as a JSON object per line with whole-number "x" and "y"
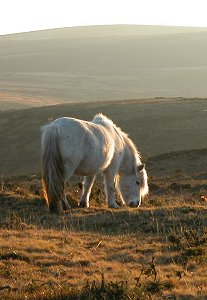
{"x": 28, "y": 15}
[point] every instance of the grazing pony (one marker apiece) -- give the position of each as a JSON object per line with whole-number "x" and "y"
{"x": 76, "y": 147}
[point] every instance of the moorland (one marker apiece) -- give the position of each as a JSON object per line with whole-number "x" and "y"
{"x": 155, "y": 252}
{"x": 158, "y": 251}
{"x": 157, "y": 126}
{"x": 104, "y": 63}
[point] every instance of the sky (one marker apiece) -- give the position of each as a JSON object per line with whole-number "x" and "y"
{"x": 29, "y": 15}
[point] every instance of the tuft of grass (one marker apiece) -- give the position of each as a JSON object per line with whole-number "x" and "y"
{"x": 5, "y": 270}
{"x": 189, "y": 238}
{"x": 145, "y": 288}
{"x": 15, "y": 222}
{"x": 190, "y": 243}
{"x": 102, "y": 290}
{"x": 14, "y": 256}
{"x": 112, "y": 290}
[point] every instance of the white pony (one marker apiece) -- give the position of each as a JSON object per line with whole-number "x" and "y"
{"x": 76, "y": 147}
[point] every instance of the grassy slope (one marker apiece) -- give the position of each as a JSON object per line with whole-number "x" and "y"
{"x": 106, "y": 63}
{"x": 156, "y": 126}
{"x": 12, "y": 101}
{"x": 42, "y": 255}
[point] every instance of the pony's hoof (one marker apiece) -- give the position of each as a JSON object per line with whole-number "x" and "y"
{"x": 114, "y": 205}
{"x": 83, "y": 205}
{"x": 68, "y": 207}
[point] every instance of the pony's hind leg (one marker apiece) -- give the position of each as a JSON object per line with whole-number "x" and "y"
{"x": 109, "y": 188}
{"x": 68, "y": 172}
{"x": 66, "y": 205}
{"x": 87, "y": 186}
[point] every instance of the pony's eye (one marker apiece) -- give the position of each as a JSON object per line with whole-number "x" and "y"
{"x": 137, "y": 182}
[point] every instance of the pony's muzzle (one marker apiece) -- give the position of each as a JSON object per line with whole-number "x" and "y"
{"x": 132, "y": 204}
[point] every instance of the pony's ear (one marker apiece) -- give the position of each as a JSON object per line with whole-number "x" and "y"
{"x": 141, "y": 167}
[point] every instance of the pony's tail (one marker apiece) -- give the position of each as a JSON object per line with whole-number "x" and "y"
{"x": 52, "y": 169}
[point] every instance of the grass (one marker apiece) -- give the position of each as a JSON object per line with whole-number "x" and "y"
{"x": 105, "y": 62}
{"x": 20, "y": 132}
{"x": 157, "y": 251}
{"x": 12, "y": 101}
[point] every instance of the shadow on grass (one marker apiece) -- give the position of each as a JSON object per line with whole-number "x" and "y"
{"x": 19, "y": 213}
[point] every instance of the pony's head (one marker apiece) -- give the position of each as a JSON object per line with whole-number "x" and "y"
{"x": 133, "y": 187}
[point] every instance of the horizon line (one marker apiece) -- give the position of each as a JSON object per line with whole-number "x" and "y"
{"x": 102, "y": 25}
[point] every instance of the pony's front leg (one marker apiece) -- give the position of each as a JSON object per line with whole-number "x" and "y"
{"x": 109, "y": 189}
{"x": 87, "y": 186}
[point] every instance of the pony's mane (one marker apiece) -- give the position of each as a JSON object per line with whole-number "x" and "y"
{"x": 133, "y": 150}
{"x": 100, "y": 118}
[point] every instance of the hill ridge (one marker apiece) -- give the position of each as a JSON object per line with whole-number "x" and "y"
{"x": 108, "y": 63}
{"x": 156, "y": 127}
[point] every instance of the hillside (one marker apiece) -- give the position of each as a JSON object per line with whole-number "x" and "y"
{"x": 105, "y": 63}
{"x": 157, "y": 251}
{"x": 11, "y": 101}
{"x": 157, "y": 126}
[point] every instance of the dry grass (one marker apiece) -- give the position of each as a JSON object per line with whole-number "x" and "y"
{"x": 12, "y": 101}
{"x": 153, "y": 252}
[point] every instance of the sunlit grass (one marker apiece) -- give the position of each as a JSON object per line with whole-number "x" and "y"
{"x": 158, "y": 250}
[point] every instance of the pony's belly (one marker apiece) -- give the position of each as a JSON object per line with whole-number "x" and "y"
{"x": 85, "y": 170}
{"x": 94, "y": 161}
{"x": 79, "y": 172}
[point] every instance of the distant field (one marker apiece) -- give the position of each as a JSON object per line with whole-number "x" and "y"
{"x": 157, "y": 126}
{"x": 10, "y": 101}
{"x": 105, "y": 63}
